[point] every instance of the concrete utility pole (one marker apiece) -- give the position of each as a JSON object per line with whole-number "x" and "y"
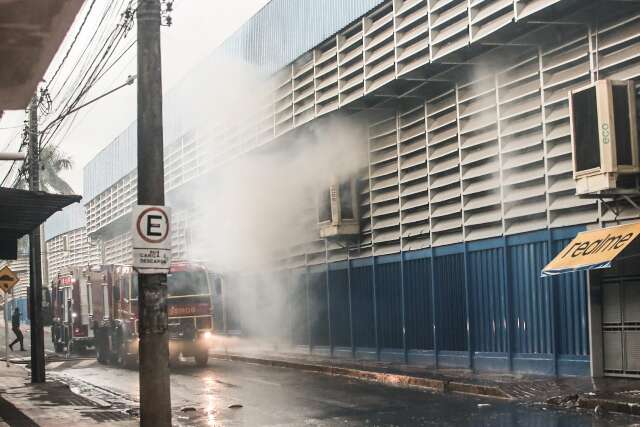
{"x": 35, "y": 276}
{"x": 155, "y": 398}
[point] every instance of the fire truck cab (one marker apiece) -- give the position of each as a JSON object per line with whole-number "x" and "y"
{"x": 70, "y": 311}
{"x": 114, "y": 296}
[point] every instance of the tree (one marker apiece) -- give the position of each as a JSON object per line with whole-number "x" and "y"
{"x": 52, "y": 162}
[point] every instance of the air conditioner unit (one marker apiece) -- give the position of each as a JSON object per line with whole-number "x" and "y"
{"x": 604, "y": 137}
{"x": 338, "y": 209}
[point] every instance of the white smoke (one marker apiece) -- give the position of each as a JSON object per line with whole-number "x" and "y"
{"x": 251, "y": 210}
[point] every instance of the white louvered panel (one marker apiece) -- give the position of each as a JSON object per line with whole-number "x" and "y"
{"x": 448, "y": 26}
{"x": 326, "y": 77}
{"x": 488, "y": 16}
{"x": 351, "y": 64}
{"x": 414, "y": 190}
{"x": 618, "y": 49}
{"x": 316, "y": 252}
{"x": 412, "y": 34}
{"x": 266, "y": 113}
{"x": 283, "y": 99}
{"x": 383, "y": 166}
{"x": 564, "y": 68}
{"x": 444, "y": 169}
{"x": 525, "y": 8}
{"x": 617, "y": 58}
{"x": 383, "y": 140}
{"x": 303, "y": 90}
{"x": 336, "y": 252}
{"x": 479, "y": 158}
{"x": 521, "y": 145}
{"x": 379, "y": 50}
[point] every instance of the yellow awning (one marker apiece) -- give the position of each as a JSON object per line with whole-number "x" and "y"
{"x": 593, "y": 249}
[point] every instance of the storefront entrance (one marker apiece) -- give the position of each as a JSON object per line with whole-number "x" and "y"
{"x": 621, "y": 326}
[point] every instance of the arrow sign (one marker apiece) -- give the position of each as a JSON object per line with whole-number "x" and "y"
{"x": 8, "y": 279}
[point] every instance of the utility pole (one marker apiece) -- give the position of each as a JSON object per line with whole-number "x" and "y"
{"x": 155, "y": 398}
{"x": 35, "y": 276}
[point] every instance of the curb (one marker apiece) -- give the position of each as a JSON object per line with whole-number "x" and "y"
{"x": 609, "y": 405}
{"x": 395, "y": 380}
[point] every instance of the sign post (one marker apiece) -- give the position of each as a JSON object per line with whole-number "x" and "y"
{"x": 8, "y": 279}
{"x": 151, "y": 242}
{"x": 6, "y": 332}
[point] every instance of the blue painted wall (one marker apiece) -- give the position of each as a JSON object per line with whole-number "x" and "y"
{"x": 485, "y": 301}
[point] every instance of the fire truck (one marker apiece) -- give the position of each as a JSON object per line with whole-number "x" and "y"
{"x": 70, "y": 311}
{"x": 113, "y": 292}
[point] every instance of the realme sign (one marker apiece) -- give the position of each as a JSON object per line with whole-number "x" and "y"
{"x": 592, "y": 249}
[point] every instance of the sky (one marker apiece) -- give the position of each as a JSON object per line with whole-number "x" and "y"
{"x": 198, "y": 27}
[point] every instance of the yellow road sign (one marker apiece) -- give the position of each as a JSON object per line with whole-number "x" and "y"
{"x": 8, "y": 279}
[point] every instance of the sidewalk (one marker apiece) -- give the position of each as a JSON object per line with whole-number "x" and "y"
{"x": 610, "y": 394}
{"x": 50, "y": 404}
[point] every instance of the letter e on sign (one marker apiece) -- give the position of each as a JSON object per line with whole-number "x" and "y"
{"x": 153, "y": 224}
{"x": 151, "y": 239}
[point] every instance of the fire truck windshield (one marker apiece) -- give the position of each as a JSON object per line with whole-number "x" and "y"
{"x": 183, "y": 283}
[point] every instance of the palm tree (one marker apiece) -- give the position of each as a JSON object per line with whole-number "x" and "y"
{"x": 52, "y": 162}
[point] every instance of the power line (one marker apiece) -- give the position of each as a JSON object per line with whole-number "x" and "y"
{"x": 97, "y": 67}
{"x": 73, "y": 42}
{"x": 105, "y": 13}
{"x": 87, "y": 79}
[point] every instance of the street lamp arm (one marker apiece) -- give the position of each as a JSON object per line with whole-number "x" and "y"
{"x": 130, "y": 81}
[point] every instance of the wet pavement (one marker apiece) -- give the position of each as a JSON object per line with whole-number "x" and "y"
{"x": 237, "y": 393}
{"x": 233, "y": 393}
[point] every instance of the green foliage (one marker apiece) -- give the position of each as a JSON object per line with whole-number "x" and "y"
{"x": 52, "y": 162}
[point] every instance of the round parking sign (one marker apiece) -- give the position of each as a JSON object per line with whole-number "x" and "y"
{"x": 152, "y": 225}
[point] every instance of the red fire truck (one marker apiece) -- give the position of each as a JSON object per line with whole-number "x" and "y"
{"x": 70, "y": 311}
{"x": 114, "y": 294}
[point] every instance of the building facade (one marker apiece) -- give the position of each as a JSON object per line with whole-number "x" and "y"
{"x": 19, "y": 294}
{"x": 465, "y": 193}
{"x": 66, "y": 242}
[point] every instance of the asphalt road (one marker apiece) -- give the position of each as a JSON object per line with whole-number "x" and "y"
{"x": 279, "y": 396}
{"x": 273, "y": 396}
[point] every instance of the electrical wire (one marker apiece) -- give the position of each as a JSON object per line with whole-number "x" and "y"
{"x": 73, "y": 42}
{"x": 94, "y": 70}
{"x": 97, "y": 70}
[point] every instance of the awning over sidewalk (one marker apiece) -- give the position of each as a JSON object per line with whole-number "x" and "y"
{"x": 594, "y": 249}
{"x": 22, "y": 211}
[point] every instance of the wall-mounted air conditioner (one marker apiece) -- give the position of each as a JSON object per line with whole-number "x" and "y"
{"x": 338, "y": 209}
{"x": 604, "y": 136}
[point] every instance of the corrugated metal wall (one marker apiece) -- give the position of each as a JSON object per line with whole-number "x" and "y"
{"x": 492, "y": 309}
{"x": 70, "y": 218}
{"x": 450, "y": 304}
{"x": 339, "y": 303}
{"x": 488, "y": 300}
{"x": 362, "y": 303}
{"x": 572, "y": 309}
{"x": 284, "y": 29}
{"x": 418, "y": 305}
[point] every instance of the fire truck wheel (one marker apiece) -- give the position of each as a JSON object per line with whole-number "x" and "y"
{"x": 202, "y": 359}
